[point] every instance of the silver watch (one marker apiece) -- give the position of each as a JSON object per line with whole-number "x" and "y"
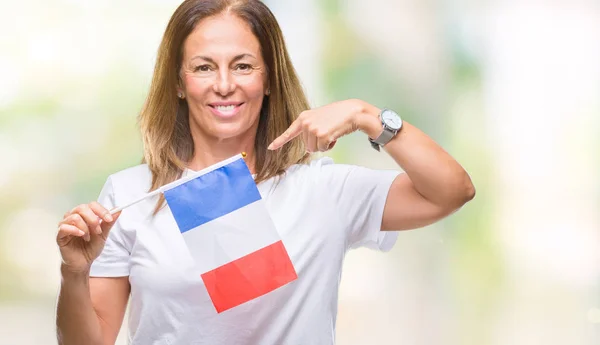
{"x": 392, "y": 123}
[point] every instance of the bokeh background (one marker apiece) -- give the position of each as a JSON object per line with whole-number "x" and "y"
{"x": 510, "y": 88}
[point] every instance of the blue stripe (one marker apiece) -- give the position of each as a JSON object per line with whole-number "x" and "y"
{"x": 212, "y": 195}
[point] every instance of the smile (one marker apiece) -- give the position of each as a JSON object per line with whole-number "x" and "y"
{"x": 225, "y": 109}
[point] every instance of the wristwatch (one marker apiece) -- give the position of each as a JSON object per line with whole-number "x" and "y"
{"x": 392, "y": 123}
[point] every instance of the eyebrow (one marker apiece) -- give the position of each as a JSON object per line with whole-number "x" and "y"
{"x": 236, "y": 58}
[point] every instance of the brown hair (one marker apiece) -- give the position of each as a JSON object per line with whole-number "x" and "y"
{"x": 164, "y": 119}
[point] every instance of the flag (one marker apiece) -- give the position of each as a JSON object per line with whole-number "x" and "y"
{"x": 230, "y": 234}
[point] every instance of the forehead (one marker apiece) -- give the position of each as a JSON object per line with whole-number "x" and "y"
{"x": 223, "y": 35}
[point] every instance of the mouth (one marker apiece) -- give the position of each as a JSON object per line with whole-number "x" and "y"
{"x": 227, "y": 109}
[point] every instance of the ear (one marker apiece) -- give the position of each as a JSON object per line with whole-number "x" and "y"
{"x": 180, "y": 89}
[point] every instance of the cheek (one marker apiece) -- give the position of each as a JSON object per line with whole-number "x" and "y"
{"x": 253, "y": 86}
{"x": 196, "y": 86}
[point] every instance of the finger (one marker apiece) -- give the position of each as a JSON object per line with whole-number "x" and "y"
{"x": 106, "y": 226}
{"x": 77, "y": 221}
{"x": 304, "y": 136}
{"x": 310, "y": 140}
{"x": 323, "y": 144}
{"x": 91, "y": 219}
{"x": 293, "y": 131}
{"x": 66, "y": 230}
{"x": 101, "y": 211}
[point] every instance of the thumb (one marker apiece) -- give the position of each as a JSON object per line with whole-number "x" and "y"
{"x": 106, "y": 226}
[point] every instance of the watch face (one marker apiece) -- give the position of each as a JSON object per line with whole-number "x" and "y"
{"x": 391, "y": 119}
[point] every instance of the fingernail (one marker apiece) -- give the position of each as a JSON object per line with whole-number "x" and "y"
{"x": 108, "y": 218}
{"x": 81, "y": 233}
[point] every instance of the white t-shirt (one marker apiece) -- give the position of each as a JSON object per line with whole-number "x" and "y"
{"x": 320, "y": 210}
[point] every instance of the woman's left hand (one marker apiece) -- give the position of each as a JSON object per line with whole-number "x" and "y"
{"x": 321, "y": 127}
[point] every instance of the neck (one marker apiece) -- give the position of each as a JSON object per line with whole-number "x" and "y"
{"x": 209, "y": 151}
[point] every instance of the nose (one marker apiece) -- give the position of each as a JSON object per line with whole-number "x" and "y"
{"x": 224, "y": 83}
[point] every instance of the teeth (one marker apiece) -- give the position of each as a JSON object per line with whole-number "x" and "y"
{"x": 225, "y": 109}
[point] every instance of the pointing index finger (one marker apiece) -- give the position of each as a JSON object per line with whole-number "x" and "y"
{"x": 293, "y": 131}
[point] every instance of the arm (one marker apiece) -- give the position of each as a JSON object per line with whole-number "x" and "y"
{"x": 434, "y": 186}
{"x": 90, "y": 310}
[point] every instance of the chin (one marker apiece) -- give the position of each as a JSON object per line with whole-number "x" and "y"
{"x": 228, "y": 130}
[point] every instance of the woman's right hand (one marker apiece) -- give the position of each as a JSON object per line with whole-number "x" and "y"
{"x": 82, "y": 234}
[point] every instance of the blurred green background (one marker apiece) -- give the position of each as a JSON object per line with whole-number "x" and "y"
{"x": 511, "y": 89}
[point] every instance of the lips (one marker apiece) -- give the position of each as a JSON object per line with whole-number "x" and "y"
{"x": 225, "y": 109}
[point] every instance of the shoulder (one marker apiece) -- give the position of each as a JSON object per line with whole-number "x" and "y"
{"x": 134, "y": 180}
{"x": 134, "y": 172}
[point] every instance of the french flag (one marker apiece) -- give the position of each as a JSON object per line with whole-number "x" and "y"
{"x": 230, "y": 234}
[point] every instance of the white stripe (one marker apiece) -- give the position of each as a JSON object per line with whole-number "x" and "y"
{"x": 230, "y": 237}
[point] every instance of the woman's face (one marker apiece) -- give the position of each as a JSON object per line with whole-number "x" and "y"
{"x": 224, "y": 78}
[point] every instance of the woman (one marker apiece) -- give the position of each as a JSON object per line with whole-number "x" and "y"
{"x": 224, "y": 84}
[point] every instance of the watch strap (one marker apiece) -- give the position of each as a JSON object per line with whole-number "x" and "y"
{"x": 383, "y": 138}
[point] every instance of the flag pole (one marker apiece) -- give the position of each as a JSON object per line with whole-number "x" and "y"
{"x": 177, "y": 183}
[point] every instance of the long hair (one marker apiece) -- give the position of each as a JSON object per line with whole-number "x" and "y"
{"x": 164, "y": 119}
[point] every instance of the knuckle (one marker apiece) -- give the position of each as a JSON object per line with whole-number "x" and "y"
{"x": 80, "y": 209}
{"x": 80, "y": 222}
{"x": 303, "y": 121}
{"x": 75, "y": 218}
{"x": 93, "y": 221}
{"x": 320, "y": 133}
{"x": 97, "y": 208}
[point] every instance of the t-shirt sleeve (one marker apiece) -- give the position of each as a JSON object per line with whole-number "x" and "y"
{"x": 114, "y": 259}
{"x": 359, "y": 197}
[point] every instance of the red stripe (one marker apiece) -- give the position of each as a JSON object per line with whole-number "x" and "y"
{"x": 249, "y": 277}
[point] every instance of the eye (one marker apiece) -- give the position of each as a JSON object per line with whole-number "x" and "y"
{"x": 202, "y": 68}
{"x": 244, "y": 67}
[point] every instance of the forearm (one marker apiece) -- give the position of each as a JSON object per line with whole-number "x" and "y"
{"x": 76, "y": 320}
{"x": 437, "y": 176}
